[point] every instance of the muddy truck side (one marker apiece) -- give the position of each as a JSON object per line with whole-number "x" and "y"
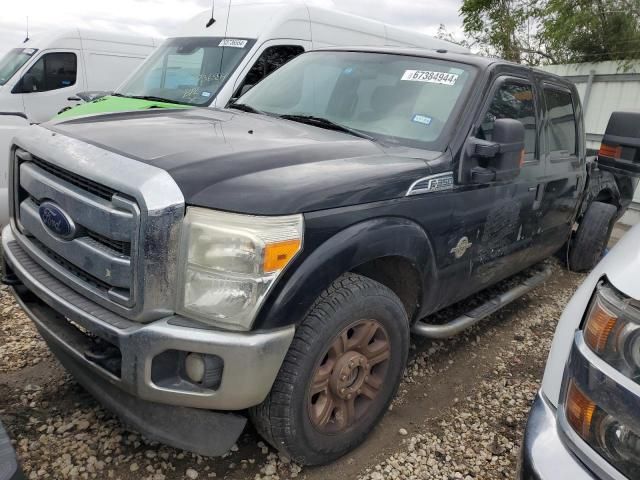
{"x": 196, "y": 268}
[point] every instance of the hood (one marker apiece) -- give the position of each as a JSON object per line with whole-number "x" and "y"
{"x": 235, "y": 161}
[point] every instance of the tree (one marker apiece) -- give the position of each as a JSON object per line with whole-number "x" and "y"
{"x": 506, "y": 28}
{"x": 555, "y": 31}
{"x": 592, "y": 30}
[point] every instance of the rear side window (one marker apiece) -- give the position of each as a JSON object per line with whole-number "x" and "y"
{"x": 53, "y": 71}
{"x": 513, "y": 100}
{"x": 561, "y": 129}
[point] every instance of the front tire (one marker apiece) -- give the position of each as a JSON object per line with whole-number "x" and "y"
{"x": 342, "y": 370}
{"x": 588, "y": 245}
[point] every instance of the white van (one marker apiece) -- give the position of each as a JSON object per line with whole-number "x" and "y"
{"x": 209, "y": 66}
{"x": 43, "y": 76}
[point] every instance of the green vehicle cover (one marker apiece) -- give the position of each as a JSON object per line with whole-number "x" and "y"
{"x": 111, "y": 104}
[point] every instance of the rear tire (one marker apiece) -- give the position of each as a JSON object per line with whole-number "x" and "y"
{"x": 342, "y": 370}
{"x": 590, "y": 241}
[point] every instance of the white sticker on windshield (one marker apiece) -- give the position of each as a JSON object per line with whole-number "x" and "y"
{"x": 233, "y": 43}
{"x": 427, "y": 76}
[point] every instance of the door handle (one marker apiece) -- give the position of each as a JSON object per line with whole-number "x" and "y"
{"x": 539, "y": 194}
{"x": 74, "y": 99}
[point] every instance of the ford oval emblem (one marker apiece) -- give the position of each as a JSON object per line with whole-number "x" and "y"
{"x": 57, "y": 220}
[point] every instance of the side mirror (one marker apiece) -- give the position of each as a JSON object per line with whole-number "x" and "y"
{"x": 499, "y": 159}
{"x": 28, "y": 83}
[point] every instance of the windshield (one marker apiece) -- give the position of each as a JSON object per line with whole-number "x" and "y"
{"x": 12, "y": 61}
{"x": 187, "y": 70}
{"x": 393, "y": 98}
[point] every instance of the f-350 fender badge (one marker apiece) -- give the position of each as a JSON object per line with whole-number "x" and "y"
{"x": 433, "y": 183}
{"x": 461, "y": 248}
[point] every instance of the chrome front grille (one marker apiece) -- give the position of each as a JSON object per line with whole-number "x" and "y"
{"x": 84, "y": 183}
{"x": 122, "y": 251}
{"x": 101, "y": 256}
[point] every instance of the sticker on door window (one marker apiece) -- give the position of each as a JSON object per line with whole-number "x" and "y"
{"x": 427, "y": 76}
{"x": 233, "y": 43}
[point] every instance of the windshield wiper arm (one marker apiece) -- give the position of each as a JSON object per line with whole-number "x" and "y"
{"x": 243, "y": 107}
{"x": 151, "y": 98}
{"x": 328, "y": 124}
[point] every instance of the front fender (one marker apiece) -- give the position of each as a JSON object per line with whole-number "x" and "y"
{"x": 342, "y": 252}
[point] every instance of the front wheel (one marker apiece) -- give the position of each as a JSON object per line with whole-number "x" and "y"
{"x": 341, "y": 372}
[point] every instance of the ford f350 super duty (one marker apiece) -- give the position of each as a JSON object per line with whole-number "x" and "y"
{"x": 195, "y": 267}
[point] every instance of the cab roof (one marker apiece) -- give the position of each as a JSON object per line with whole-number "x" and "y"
{"x": 479, "y": 61}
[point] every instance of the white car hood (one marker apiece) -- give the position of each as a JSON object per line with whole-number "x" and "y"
{"x": 621, "y": 266}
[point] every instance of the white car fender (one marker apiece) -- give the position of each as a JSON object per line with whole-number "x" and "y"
{"x": 621, "y": 266}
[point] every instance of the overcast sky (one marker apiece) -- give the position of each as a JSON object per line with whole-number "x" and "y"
{"x": 160, "y": 17}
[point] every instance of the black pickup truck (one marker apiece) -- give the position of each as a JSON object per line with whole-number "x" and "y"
{"x": 195, "y": 267}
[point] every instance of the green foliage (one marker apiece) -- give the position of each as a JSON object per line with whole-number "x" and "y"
{"x": 556, "y": 31}
{"x": 505, "y": 27}
{"x": 592, "y": 30}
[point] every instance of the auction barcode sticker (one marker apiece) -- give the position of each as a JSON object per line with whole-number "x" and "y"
{"x": 232, "y": 42}
{"x": 430, "y": 77}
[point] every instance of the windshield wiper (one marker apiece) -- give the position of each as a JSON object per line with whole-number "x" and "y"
{"x": 243, "y": 107}
{"x": 151, "y": 98}
{"x": 328, "y": 124}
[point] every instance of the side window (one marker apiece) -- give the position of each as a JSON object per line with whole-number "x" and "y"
{"x": 513, "y": 100}
{"x": 270, "y": 60}
{"x": 51, "y": 72}
{"x": 561, "y": 127}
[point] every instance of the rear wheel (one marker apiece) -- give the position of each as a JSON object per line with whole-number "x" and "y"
{"x": 590, "y": 241}
{"x": 340, "y": 374}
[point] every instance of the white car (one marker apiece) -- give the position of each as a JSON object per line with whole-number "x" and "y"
{"x": 585, "y": 421}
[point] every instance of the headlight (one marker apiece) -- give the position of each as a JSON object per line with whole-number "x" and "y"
{"x": 229, "y": 262}
{"x": 609, "y": 436}
{"x": 612, "y": 330}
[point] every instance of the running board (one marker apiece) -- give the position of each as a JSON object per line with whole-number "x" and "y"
{"x": 474, "y": 316}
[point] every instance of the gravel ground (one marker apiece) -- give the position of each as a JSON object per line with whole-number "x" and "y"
{"x": 459, "y": 413}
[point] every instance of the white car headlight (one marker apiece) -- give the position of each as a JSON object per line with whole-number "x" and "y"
{"x": 229, "y": 262}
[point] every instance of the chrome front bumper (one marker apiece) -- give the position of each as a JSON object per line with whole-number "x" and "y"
{"x": 543, "y": 455}
{"x": 68, "y": 322}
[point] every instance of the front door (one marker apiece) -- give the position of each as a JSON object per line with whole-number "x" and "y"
{"x": 501, "y": 219}
{"x": 50, "y": 85}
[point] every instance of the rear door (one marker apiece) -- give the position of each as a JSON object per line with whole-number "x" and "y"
{"x": 565, "y": 164}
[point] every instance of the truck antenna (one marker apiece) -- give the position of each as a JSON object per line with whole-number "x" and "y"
{"x": 27, "y": 39}
{"x": 212, "y": 20}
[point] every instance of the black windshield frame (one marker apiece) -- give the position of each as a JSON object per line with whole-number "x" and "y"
{"x": 209, "y": 41}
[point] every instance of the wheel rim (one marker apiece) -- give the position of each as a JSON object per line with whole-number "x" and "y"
{"x": 349, "y": 377}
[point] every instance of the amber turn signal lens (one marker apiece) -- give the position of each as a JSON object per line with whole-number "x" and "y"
{"x": 579, "y": 410}
{"x": 278, "y": 255}
{"x": 600, "y": 323}
{"x": 609, "y": 151}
